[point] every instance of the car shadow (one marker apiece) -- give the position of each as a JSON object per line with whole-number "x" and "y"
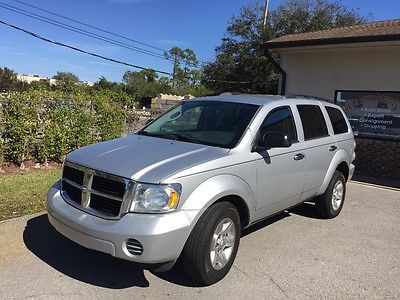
{"x": 77, "y": 262}
{"x": 103, "y": 270}
{"x": 306, "y": 209}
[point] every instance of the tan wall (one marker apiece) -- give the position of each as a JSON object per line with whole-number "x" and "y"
{"x": 319, "y": 71}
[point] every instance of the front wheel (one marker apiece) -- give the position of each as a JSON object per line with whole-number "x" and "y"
{"x": 213, "y": 243}
{"x": 330, "y": 203}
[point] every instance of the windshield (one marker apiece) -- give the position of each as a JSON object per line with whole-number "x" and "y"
{"x": 214, "y": 123}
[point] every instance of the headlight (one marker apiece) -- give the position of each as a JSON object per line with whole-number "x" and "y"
{"x": 156, "y": 197}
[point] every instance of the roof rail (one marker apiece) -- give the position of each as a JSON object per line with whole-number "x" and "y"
{"x": 307, "y": 97}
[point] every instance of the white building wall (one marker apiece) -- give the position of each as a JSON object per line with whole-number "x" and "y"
{"x": 319, "y": 71}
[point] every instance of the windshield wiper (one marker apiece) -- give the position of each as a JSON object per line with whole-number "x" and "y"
{"x": 171, "y": 136}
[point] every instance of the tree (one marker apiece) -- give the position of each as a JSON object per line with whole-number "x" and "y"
{"x": 298, "y": 16}
{"x": 8, "y": 79}
{"x": 142, "y": 84}
{"x": 185, "y": 62}
{"x": 240, "y": 63}
{"x": 66, "y": 78}
{"x": 103, "y": 83}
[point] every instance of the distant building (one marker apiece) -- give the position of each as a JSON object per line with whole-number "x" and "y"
{"x": 164, "y": 102}
{"x": 358, "y": 68}
{"x": 28, "y": 79}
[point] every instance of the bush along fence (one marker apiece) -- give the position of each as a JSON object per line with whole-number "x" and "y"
{"x": 44, "y": 126}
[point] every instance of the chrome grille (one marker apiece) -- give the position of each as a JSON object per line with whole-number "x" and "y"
{"x": 93, "y": 191}
{"x": 105, "y": 205}
{"x": 108, "y": 186}
{"x": 74, "y": 193}
{"x": 73, "y": 174}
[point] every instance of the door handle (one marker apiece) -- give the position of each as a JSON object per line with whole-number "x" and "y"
{"x": 299, "y": 156}
{"x": 332, "y": 148}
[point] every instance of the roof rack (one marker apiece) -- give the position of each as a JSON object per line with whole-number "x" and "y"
{"x": 250, "y": 95}
{"x": 307, "y": 97}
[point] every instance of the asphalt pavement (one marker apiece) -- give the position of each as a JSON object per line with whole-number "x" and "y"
{"x": 293, "y": 255}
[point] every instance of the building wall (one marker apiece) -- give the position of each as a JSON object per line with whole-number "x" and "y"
{"x": 319, "y": 71}
{"x": 378, "y": 158}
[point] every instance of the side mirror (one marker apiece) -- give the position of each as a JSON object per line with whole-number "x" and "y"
{"x": 272, "y": 139}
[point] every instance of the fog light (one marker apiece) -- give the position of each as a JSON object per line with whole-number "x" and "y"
{"x": 134, "y": 247}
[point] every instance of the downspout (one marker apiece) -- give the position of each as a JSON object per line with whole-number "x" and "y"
{"x": 278, "y": 68}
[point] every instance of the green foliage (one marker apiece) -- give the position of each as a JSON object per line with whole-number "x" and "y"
{"x": 45, "y": 125}
{"x": 298, "y": 16}
{"x": 240, "y": 63}
{"x": 8, "y": 79}
{"x": 66, "y": 77}
{"x": 143, "y": 84}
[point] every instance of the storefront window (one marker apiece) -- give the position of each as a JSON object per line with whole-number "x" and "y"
{"x": 372, "y": 114}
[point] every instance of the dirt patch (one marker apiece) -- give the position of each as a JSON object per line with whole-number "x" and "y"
{"x": 10, "y": 168}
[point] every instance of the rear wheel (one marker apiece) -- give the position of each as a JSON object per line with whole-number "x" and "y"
{"x": 213, "y": 243}
{"x": 330, "y": 203}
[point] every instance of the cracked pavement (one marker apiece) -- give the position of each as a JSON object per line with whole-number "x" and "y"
{"x": 292, "y": 255}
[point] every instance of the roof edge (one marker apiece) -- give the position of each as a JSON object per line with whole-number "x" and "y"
{"x": 332, "y": 41}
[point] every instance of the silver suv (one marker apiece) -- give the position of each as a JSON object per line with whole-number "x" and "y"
{"x": 190, "y": 181}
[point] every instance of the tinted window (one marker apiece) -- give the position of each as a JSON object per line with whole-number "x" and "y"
{"x": 280, "y": 120}
{"x": 338, "y": 122}
{"x": 313, "y": 121}
{"x": 215, "y": 123}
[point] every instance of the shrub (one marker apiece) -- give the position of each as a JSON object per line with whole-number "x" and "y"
{"x": 45, "y": 125}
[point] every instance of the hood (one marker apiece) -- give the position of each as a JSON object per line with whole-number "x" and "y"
{"x": 144, "y": 158}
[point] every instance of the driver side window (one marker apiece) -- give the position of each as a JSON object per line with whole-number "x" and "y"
{"x": 280, "y": 120}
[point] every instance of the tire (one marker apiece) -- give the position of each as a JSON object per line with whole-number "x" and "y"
{"x": 329, "y": 205}
{"x": 201, "y": 245}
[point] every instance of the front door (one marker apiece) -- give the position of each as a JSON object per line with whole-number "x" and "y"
{"x": 280, "y": 171}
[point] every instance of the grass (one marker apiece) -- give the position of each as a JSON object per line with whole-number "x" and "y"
{"x": 25, "y": 193}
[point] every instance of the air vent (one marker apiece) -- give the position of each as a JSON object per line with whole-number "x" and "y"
{"x": 134, "y": 247}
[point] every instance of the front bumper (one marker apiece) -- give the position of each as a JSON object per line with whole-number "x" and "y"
{"x": 163, "y": 236}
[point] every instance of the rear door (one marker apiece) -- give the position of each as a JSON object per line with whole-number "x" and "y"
{"x": 320, "y": 146}
{"x": 342, "y": 130}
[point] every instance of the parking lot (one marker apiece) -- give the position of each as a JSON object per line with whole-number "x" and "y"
{"x": 292, "y": 255}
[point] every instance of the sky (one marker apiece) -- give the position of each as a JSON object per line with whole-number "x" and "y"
{"x": 198, "y": 25}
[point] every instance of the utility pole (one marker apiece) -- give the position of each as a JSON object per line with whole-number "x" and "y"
{"x": 265, "y": 13}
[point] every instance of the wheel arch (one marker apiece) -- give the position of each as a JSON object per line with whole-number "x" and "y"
{"x": 339, "y": 162}
{"x": 223, "y": 188}
{"x": 241, "y": 206}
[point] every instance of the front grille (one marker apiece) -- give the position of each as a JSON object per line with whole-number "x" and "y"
{"x": 73, "y": 174}
{"x": 108, "y": 186}
{"x": 74, "y": 193}
{"x": 93, "y": 191}
{"x": 105, "y": 205}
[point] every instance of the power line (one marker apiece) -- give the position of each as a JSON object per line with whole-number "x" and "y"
{"x": 91, "y": 34}
{"x": 202, "y": 63}
{"x": 80, "y": 31}
{"x": 90, "y": 26}
{"x": 80, "y": 50}
{"x": 35, "y": 35}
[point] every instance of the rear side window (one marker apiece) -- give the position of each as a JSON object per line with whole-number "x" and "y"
{"x": 338, "y": 121}
{"x": 313, "y": 121}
